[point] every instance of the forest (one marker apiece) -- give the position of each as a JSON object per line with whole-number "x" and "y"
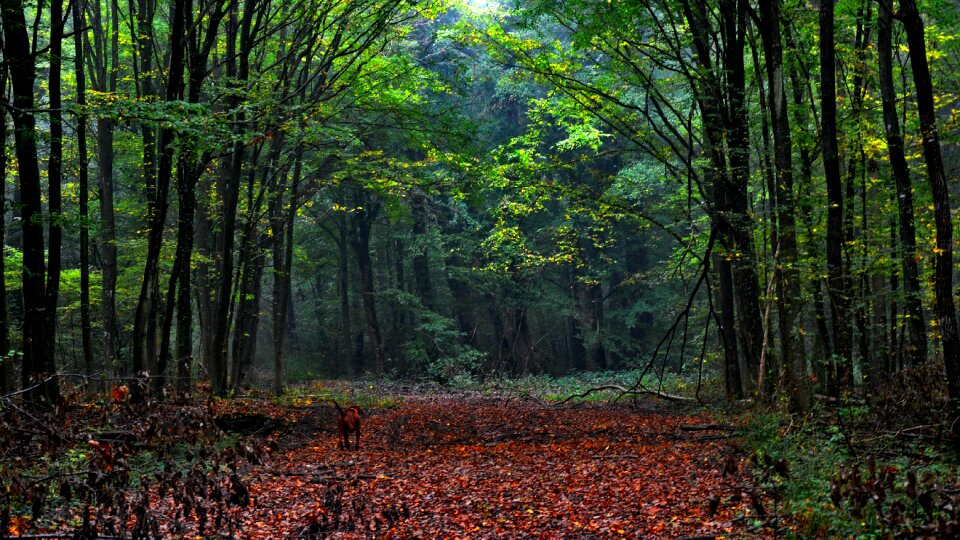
{"x": 586, "y": 245}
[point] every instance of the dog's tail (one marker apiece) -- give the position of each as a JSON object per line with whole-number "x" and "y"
{"x": 339, "y": 410}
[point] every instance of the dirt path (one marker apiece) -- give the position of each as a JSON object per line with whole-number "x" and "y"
{"x": 447, "y": 469}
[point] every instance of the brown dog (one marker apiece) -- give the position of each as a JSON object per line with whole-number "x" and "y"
{"x": 349, "y": 422}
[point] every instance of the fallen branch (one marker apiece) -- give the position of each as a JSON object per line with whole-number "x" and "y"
{"x": 627, "y": 391}
{"x": 708, "y": 427}
{"x": 917, "y": 428}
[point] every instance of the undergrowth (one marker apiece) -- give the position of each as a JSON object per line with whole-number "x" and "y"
{"x": 552, "y": 389}
{"x": 881, "y": 469}
{"x": 364, "y": 394}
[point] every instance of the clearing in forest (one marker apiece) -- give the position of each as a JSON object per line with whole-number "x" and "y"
{"x": 429, "y": 466}
{"x": 454, "y": 468}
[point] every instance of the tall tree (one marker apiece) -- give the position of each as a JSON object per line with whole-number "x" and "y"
{"x": 788, "y": 278}
{"x": 83, "y": 181}
{"x": 916, "y": 344}
{"x": 943, "y": 268}
{"x": 837, "y": 279}
{"x": 362, "y": 218}
{"x": 104, "y": 60}
{"x": 158, "y": 178}
{"x": 38, "y": 334}
{"x": 54, "y": 172}
{"x": 144, "y": 325}
{"x": 722, "y": 108}
{"x": 6, "y": 363}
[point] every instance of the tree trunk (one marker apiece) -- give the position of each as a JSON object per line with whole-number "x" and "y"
{"x": 144, "y": 351}
{"x": 248, "y": 316}
{"x": 943, "y": 269}
{"x": 346, "y": 340}
{"x": 6, "y": 363}
{"x": 204, "y": 273}
{"x": 521, "y": 348}
{"x": 83, "y": 181}
{"x": 107, "y": 74}
{"x": 421, "y": 258}
{"x": 727, "y": 325}
{"x": 915, "y": 348}
{"x": 217, "y": 365}
{"x": 54, "y": 178}
{"x": 822, "y": 347}
{"x": 577, "y": 350}
{"x": 282, "y": 266}
{"x": 38, "y": 336}
{"x": 838, "y": 283}
{"x": 788, "y": 286}
{"x": 363, "y": 218}
{"x": 729, "y": 161}
{"x": 590, "y": 306}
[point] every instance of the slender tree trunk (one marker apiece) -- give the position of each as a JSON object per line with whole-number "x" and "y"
{"x": 915, "y": 348}
{"x": 894, "y": 360}
{"x": 148, "y": 320}
{"x": 204, "y": 278}
{"x": 577, "y": 349}
{"x": 106, "y": 81}
{"x": 590, "y": 306}
{"x": 54, "y": 179}
{"x": 83, "y": 181}
{"x": 248, "y": 316}
{"x": 522, "y": 346}
{"x": 6, "y": 363}
{"x": 144, "y": 351}
{"x": 838, "y": 286}
{"x": 360, "y": 241}
{"x": 183, "y": 351}
{"x": 38, "y": 337}
{"x": 943, "y": 269}
{"x": 856, "y": 165}
{"x": 727, "y": 324}
{"x": 178, "y": 289}
{"x": 822, "y": 348}
{"x": 788, "y": 287}
{"x": 343, "y": 291}
{"x": 231, "y": 189}
{"x": 282, "y": 266}
{"x": 463, "y": 299}
{"x": 729, "y": 159}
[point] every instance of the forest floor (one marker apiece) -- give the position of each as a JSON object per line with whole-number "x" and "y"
{"x": 452, "y": 466}
{"x": 429, "y": 466}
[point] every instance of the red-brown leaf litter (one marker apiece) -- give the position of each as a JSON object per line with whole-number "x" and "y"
{"x": 443, "y": 468}
{"x": 432, "y": 466}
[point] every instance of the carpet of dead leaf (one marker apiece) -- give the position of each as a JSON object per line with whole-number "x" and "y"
{"x": 446, "y": 468}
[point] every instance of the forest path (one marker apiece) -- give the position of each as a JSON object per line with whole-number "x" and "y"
{"x": 449, "y": 468}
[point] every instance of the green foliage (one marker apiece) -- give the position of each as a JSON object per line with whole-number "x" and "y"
{"x": 837, "y": 487}
{"x": 12, "y": 267}
{"x": 368, "y": 395}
